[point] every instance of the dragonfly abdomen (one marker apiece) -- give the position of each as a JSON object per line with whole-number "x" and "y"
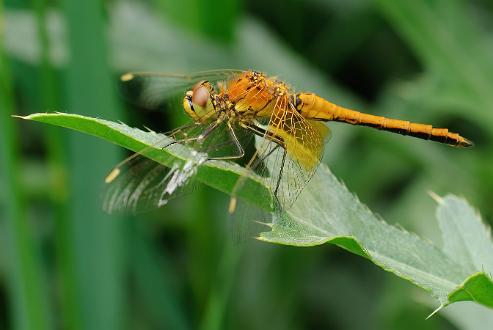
{"x": 315, "y": 107}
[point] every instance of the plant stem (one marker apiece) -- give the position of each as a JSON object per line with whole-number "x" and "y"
{"x": 30, "y": 308}
{"x": 96, "y": 238}
{"x": 55, "y": 142}
{"x": 220, "y": 293}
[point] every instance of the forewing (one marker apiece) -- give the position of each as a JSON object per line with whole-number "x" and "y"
{"x": 145, "y": 184}
{"x": 141, "y": 184}
{"x": 149, "y": 89}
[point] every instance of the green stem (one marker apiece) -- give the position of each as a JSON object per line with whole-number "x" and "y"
{"x": 30, "y": 308}
{"x": 154, "y": 279}
{"x": 96, "y": 239}
{"x": 57, "y": 163}
{"x": 217, "y": 303}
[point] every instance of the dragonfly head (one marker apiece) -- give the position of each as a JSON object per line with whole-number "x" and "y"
{"x": 198, "y": 101}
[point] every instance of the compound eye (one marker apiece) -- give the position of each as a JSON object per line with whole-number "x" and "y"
{"x": 200, "y": 95}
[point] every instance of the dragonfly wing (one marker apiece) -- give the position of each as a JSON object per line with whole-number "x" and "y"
{"x": 145, "y": 185}
{"x": 140, "y": 184}
{"x": 293, "y": 165}
{"x": 149, "y": 89}
{"x": 221, "y": 141}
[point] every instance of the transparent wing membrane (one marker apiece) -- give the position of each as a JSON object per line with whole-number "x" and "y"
{"x": 291, "y": 152}
{"x": 141, "y": 184}
{"x": 144, "y": 185}
{"x": 150, "y": 89}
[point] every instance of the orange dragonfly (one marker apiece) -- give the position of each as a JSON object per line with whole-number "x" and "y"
{"x": 226, "y": 108}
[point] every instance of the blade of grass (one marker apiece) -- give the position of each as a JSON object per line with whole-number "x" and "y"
{"x": 221, "y": 290}
{"x": 55, "y": 141}
{"x": 153, "y": 276}
{"x": 31, "y": 309}
{"x": 96, "y": 238}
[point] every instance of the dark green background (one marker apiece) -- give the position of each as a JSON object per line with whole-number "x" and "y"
{"x": 67, "y": 265}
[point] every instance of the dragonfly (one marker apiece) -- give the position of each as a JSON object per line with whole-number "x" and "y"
{"x": 226, "y": 109}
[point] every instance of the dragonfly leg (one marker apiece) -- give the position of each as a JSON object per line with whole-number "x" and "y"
{"x": 256, "y": 160}
{"x": 263, "y": 133}
{"x": 238, "y": 146}
{"x": 178, "y": 129}
{"x": 202, "y": 136}
{"x": 278, "y": 183}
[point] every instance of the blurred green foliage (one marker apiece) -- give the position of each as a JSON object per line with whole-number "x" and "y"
{"x": 65, "y": 264}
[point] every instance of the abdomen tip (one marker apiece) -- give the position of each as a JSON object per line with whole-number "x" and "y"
{"x": 465, "y": 143}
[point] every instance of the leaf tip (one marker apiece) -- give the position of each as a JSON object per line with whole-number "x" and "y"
{"x": 435, "y": 311}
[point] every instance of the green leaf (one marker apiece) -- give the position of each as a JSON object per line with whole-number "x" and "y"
{"x": 467, "y": 241}
{"x": 220, "y": 175}
{"x": 468, "y": 315}
{"x": 478, "y": 287}
{"x": 327, "y": 212}
{"x": 465, "y": 238}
